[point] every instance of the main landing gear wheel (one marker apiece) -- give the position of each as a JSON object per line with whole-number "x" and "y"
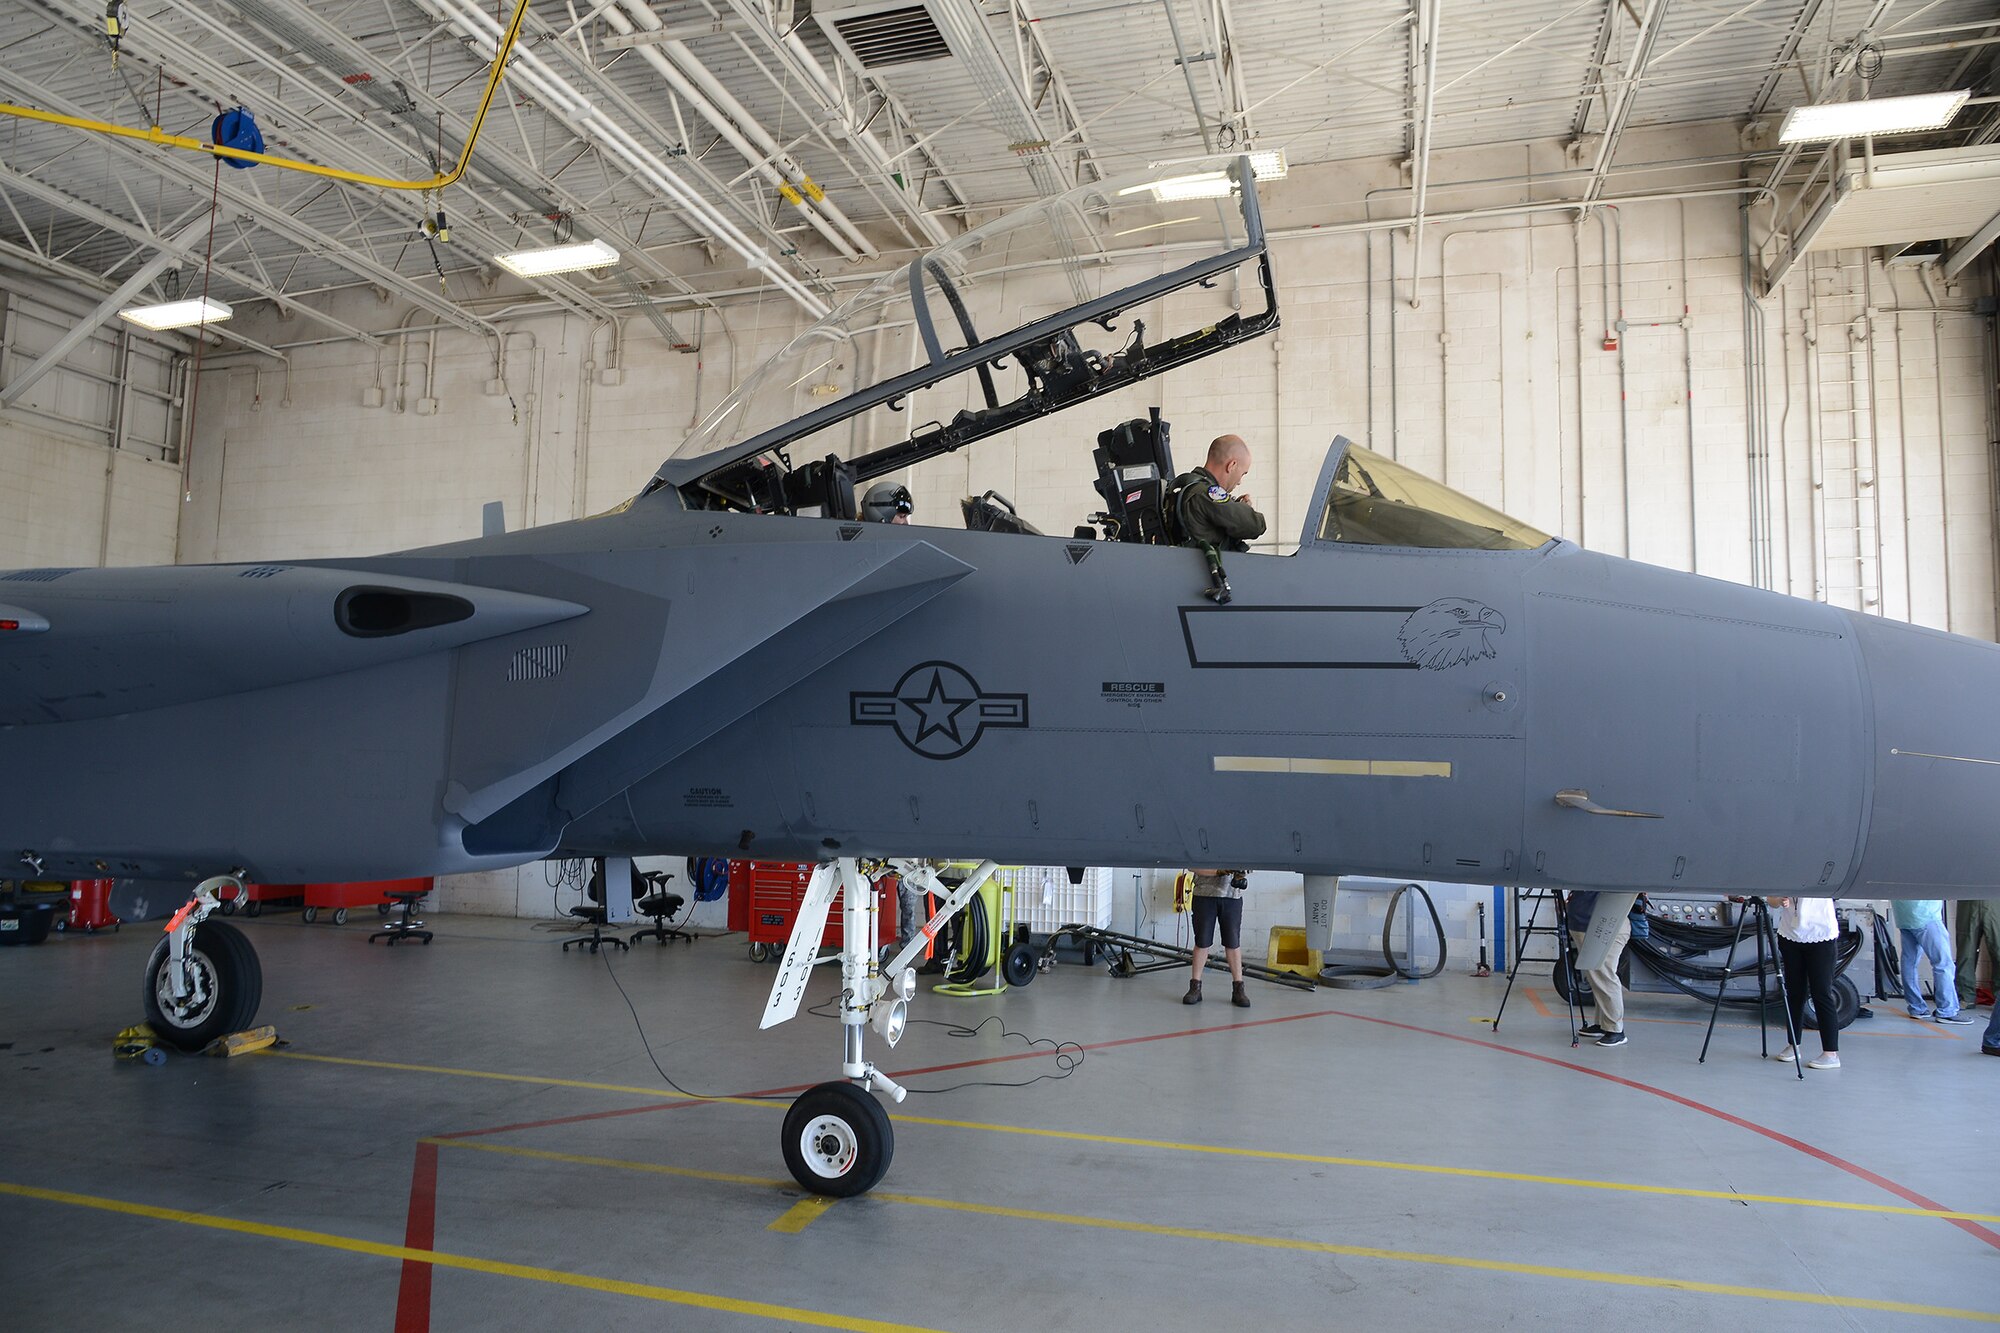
{"x": 225, "y": 986}
{"x": 838, "y": 1140}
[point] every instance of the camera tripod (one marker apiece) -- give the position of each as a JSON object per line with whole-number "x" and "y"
{"x": 1565, "y": 957}
{"x": 1757, "y": 909}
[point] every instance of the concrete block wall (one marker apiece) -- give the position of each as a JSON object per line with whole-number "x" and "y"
{"x": 1143, "y": 904}
{"x": 84, "y": 473}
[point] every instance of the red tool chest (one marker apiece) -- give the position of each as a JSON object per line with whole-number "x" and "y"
{"x": 764, "y": 899}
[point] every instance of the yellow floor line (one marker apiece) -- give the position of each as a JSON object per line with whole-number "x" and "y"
{"x": 442, "y": 1259}
{"x": 1274, "y": 1242}
{"x": 802, "y": 1214}
{"x": 613, "y": 1163}
{"x": 1162, "y": 1145}
{"x": 1421, "y": 1168}
{"x": 1442, "y": 1260}
{"x": 660, "y": 1094}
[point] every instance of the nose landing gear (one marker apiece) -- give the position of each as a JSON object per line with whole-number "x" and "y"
{"x": 203, "y": 981}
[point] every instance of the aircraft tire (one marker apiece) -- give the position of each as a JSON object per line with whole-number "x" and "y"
{"x": 838, "y": 1140}
{"x": 227, "y": 965}
{"x": 1846, "y": 1004}
{"x": 1020, "y": 964}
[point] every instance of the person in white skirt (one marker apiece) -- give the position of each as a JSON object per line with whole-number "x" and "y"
{"x": 1808, "y": 940}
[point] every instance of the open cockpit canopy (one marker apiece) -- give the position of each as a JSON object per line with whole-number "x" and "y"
{"x": 1013, "y": 314}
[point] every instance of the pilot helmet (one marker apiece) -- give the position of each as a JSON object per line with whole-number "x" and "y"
{"x": 884, "y": 501}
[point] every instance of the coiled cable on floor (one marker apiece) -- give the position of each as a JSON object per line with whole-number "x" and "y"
{"x": 1369, "y": 977}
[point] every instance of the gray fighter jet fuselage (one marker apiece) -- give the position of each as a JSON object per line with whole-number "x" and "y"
{"x": 796, "y": 688}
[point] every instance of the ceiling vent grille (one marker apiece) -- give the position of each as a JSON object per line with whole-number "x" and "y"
{"x": 877, "y": 37}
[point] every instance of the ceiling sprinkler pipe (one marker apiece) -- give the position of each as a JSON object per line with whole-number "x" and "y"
{"x": 757, "y": 149}
{"x": 794, "y": 174}
{"x": 579, "y": 112}
{"x": 870, "y": 146}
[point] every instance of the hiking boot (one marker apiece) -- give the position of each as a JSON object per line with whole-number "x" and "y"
{"x": 1193, "y": 995}
{"x": 1237, "y": 997}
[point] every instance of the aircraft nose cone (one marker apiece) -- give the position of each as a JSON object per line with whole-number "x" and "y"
{"x": 1934, "y": 822}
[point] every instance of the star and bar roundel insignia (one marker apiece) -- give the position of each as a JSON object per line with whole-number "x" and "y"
{"x": 938, "y": 710}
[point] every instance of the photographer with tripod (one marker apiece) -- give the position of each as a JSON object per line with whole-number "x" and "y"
{"x": 1808, "y": 935}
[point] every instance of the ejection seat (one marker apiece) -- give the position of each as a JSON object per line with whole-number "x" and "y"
{"x": 1135, "y": 466}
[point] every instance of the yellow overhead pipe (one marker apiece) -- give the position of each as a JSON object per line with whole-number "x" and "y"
{"x": 156, "y": 135}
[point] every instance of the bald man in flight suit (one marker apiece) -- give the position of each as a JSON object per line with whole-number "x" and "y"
{"x": 1208, "y": 512}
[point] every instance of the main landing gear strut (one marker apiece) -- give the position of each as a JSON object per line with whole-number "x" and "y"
{"x": 837, "y": 1137}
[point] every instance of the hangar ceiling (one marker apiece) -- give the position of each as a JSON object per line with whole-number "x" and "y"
{"x": 727, "y": 144}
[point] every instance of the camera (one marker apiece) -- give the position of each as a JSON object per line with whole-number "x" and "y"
{"x": 1238, "y": 880}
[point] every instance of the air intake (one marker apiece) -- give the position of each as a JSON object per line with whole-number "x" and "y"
{"x": 875, "y": 37}
{"x": 378, "y": 613}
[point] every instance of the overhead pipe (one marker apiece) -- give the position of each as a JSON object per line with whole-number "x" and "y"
{"x": 166, "y": 257}
{"x": 245, "y": 157}
{"x": 828, "y": 94}
{"x": 1420, "y": 168}
{"x": 579, "y": 112}
{"x": 690, "y": 79}
{"x": 1944, "y": 456}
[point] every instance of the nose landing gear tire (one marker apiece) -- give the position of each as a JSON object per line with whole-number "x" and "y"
{"x": 838, "y": 1140}
{"x": 226, "y": 986}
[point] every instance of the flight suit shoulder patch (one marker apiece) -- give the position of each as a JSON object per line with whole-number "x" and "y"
{"x": 1217, "y": 494}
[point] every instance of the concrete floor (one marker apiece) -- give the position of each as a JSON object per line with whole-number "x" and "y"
{"x": 1333, "y": 1159}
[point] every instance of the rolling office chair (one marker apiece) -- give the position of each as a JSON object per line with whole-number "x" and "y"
{"x": 406, "y": 927}
{"x": 593, "y": 911}
{"x": 660, "y": 906}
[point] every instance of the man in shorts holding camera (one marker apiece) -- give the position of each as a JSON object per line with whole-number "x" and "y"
{"x": 1218, "y": 901}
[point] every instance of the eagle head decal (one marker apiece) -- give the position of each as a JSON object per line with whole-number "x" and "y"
{"x": 1450, "y": 632}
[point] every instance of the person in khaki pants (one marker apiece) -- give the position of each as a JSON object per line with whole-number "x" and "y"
{"x": 1607, "y": 995}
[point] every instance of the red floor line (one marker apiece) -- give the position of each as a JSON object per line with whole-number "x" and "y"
{"x": 1860, "y": 1172}
{"x": 1882, "y": 1182}
{"x": 895, "y": 1074}
{"x": 413, "y": 1296}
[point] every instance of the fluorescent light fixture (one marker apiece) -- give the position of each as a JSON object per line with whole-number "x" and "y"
{"x": 177, "y": 314}
{"x": 1268, "y": 164}
{"x": 1880, "y": 115}
{"x": 1202, "y": 185}
{"x": 1153, "y": 226}
{"x": 558, "y": 259}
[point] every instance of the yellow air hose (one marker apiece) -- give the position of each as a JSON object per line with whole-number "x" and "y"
{"x": 156, "y": 135}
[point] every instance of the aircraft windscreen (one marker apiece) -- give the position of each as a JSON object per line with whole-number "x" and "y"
{"x": 1190, "y": 211}
{"x": 1376, "y": 502}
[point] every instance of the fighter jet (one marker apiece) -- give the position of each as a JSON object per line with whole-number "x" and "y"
{"x": 732, "y": 663}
